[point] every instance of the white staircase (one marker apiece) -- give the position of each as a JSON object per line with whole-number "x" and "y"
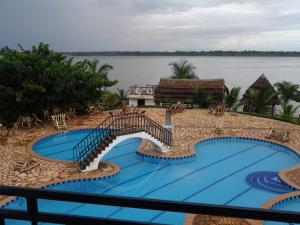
{"x": 113, "y": 130}
{"x": 94, "y": 164}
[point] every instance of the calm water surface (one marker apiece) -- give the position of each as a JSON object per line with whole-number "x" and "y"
{"x": 237, "y": 71}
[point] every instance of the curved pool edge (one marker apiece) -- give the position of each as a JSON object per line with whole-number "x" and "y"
{"x": 189, "y": 218}
{"x": 193, "y": 145}
{"x": 29, "y": 148}
{"x": 94, "y": 175}
{"x": 283, "y": 175}
{"x": 155, "y": 155}
{"x": 278, "y": 200}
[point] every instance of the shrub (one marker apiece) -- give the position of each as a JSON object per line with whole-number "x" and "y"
{"x": 31, "y": 81}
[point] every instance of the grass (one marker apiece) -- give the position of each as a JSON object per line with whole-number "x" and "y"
{"x": 292, "y": 120}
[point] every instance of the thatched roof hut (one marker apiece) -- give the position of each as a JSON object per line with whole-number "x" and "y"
{"x": 261, "y": 83}
{"x": 174, "y": 90}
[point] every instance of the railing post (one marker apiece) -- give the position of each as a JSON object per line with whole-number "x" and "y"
{"x": 32, "y": 209}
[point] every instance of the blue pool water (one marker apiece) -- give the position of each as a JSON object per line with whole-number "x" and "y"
{"x": 59, "y": 146}
{"x": 288, "y": 205}
{"x": 218, "y": 175}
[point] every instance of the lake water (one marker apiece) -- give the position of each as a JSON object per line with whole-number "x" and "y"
{"x": 237, "y": 71}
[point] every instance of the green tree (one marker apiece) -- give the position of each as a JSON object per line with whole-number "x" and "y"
{"x": 259, "y": 99}
{"x": 37, "y": 79}
{"x": 232, "y": 97}
{"x": 288, "y": 110}
{"x": 297, "y": 98}
{"x": 111, "y": 100}
{"x": 287, "y": 91}
{"x": 102, "y": 72}
{"x": 183, "y": 70}
{"x": 200, "y": 98}
{"x": 122, "y": 95}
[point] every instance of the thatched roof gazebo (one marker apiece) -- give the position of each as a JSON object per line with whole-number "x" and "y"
{"x": 261, "y": 83}
{"x": 174, "y": 90}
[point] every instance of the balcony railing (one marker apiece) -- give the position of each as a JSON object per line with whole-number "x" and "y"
{"x": 148, "y": 90}
{"x": 33, "y": 215}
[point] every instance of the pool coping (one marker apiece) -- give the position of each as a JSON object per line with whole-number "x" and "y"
{"x": 285, "y": 178}
{"x": 139, "y": 151}
{"x": 191, "y": 148}
{"x": 189, "y": 218}
{"x": 157, "y": 155}
{"x": 81, "y": 176}
{"x": 30, "y": 150}
{"x": 282, "y": 172}
{"x": 277, "y": 200}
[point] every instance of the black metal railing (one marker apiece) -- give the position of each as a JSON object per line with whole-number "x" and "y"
{"x": 116, "y": 125}
{"x": 33, "y": 215}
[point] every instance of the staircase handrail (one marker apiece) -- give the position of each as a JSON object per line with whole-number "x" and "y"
{"x": 94, "y": 141}
{"x": 117, "y": 124}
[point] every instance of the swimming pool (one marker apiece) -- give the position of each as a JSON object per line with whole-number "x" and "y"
{"x": 217, "y": 174}
{"x": 60, "y": 145}
{"x": 288, "y": 205}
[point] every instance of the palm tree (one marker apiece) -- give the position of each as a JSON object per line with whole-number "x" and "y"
{"x": 102, "y": 72}
{"x": 103, "y": 69}
{"x": 287, "y": 91}
{"x": 110, "y": 100}
{"x": 183, "y": 70}
{"x": 232, "y": 97}
{"x": 259, "y": 99}
{"x": 122, "y": 95}
{"x": 288, "y": 110}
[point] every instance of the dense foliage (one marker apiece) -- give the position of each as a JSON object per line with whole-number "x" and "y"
{"x": 183, "y": 70}
{"x": 287, "y": 109}
{"x": 203, "y": 100}
{"x": 287, "y": 91}
{"x": 292, "y": 120}
{"x": 259, "y": 99}
{"x": 38, "y": 79}
{"x": 231, "y": 98}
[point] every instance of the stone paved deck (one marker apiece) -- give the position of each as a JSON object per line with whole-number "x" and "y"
{"x": 193, "y": 125}
{"x": 49, "y": 171}
{"x": 193, "y": 219}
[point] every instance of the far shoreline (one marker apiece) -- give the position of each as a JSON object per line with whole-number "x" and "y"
{"x": 189, "y": 53}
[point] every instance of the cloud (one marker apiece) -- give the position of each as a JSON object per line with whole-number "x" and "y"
{"x": 82, "y": 25}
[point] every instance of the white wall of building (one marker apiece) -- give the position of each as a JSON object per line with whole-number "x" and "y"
{"x": 132, "y": 102}
{"x": 149, "y": 102}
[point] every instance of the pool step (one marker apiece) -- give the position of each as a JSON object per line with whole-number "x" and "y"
{"x": 96, "y": 151}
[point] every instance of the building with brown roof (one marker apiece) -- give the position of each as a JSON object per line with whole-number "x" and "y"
{"x": 175, "y": 90}
{"x": 261, "y": 83}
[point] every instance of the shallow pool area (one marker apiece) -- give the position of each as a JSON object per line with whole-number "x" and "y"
{"x": 217, "y": 174}
{"x": 60, "y": 145}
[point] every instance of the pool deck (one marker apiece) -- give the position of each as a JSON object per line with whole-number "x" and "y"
{"x": 189, "y": 127}
{"x": 193, "y": 219}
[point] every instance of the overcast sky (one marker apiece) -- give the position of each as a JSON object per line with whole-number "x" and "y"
{"x": 151, "y": 25}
